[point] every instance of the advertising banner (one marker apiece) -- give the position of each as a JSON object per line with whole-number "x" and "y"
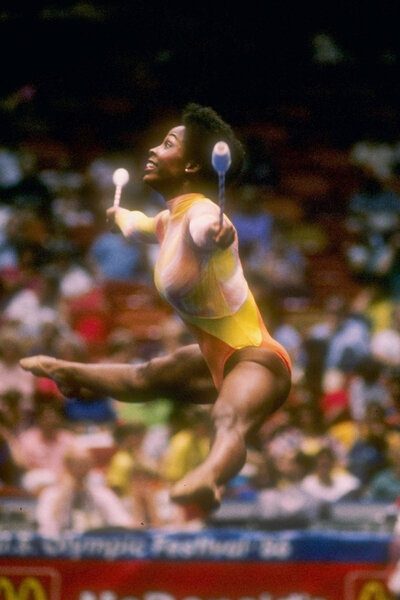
{"x": 195, "y": 566}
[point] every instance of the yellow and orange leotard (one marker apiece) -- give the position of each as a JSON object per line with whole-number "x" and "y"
{"x": 205, "y": 284}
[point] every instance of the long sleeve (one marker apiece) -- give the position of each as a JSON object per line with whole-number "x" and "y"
{"x": 204, "y": 225}
{"x": 136, "y": 226}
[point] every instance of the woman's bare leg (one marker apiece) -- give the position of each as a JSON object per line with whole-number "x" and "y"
{"x": 251, "y": 392}
{"x": 182, "y": 375}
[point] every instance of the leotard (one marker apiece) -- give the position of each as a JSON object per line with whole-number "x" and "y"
{"x": 203, "y": 283}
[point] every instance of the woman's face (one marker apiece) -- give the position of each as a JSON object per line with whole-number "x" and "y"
{"x": 165, "y": 167}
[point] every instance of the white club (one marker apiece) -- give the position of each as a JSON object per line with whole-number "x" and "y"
{"x": 120, "y": 178}
{"x": 221, "y": 161}
{"x": 221, "y": 157}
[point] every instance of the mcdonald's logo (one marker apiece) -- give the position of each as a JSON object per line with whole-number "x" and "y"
{"x": 30, "y": 588}
{"x": 373, "y": 590}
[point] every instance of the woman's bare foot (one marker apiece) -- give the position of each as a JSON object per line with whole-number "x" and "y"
{"x": 39, "y": 365}
{"x": 192, "y": 489}
{"x": 55, "y": 369}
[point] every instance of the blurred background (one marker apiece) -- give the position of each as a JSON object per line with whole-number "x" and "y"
{"x": 313, "y": 92}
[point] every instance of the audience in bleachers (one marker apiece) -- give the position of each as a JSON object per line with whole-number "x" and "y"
{"x": 71, "y": 288}
{"x": 78, "y": 500}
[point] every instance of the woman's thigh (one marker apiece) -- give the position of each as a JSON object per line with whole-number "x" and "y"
{"x": 250, "y": 393}
{"x": 183, "y": 375}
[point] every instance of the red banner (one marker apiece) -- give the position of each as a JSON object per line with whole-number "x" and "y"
{"x": 34, "y": 579}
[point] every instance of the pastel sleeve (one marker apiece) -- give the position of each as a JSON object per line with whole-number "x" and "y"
{"x": 204, "y": 224}
{"x": 136, "y": 226}
{"x": 203, "y": 230}
{"x": 200, "y": 229}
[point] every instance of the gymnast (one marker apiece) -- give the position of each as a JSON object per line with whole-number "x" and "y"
{"x": 235, "y": 365}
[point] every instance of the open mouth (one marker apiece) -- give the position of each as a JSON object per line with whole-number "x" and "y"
{"x": 150, "y": 164}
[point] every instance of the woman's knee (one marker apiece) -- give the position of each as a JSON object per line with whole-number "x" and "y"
{"x": 224, "y": 417}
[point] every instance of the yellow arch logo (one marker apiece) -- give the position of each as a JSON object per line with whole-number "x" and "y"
{"x": 30, "y": 588}
{"x": 373, "y": 590}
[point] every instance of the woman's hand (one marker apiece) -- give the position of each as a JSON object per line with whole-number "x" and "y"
{"x": 222, "y": 235}
{"x": 207, "y": 233}
{"x": 112, "y": 214}
{"x": 115, "y": 217}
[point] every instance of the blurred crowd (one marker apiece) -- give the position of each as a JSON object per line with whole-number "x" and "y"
{"x": 72, "y": 288}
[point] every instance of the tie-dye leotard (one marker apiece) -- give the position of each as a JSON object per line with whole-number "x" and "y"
{"x": 206, "y": 286}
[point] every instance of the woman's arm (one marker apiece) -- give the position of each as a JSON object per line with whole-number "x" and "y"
{"x": 135, "y": 225}
{"x": 205, "y": 230}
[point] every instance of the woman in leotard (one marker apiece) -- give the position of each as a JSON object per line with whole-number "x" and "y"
{"x": 198, "y": 271}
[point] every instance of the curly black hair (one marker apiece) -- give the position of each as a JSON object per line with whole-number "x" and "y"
{"x": 204, "y": 127}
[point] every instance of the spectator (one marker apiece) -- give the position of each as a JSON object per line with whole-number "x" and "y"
{"x": 75, "y": 279}
{"x": 8, "y": 251}
{"x": 290, "y": 468}
{"x": 78, "y": 500}
{"x": 128, "y": 438}
{"x": 373, "y": 217}
{"x": 133, "y": 475}
{"x": 186, "y": 447}
{"x": 327, "y": 482}
{"x": 48, "y": 338}
{"x": 344, "y": 432}
{"x": 376, "y": 304}
{"x": 189, "y": 442}
{"x": 335, "y": 397}
{"x": 12, "y": 376}
{"x": 262, "y": 476}
{"x": 368, "y": 455}
{"x": 344, "y": 336}
{"x": 40, "y": 449}
{"x": 311, "y": 429}
{"x": 254, "y": 227}
{"x": 122, "y": 346}
{"x": 393, "y": 411}
{"x": 31, "y": 309}
{"x": 10, "y": 472}
{"x": 385, "y": 485}
{"x": 286, "y": 501}
{"x": 72, "y": 208}
{"x": 284, "y": 267}
{"x": 293, "y": 446}
{"x": 30, "y": 191}
{"x": 365, "y": 386}
{"x": 374, "y": 157}
{"x": 10, "y": 169}
{"x": 385, "y": 343}
{"x": 114, "y": 259}
{"x": 28, "y": 233}
{"x": 13, "y": 415}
